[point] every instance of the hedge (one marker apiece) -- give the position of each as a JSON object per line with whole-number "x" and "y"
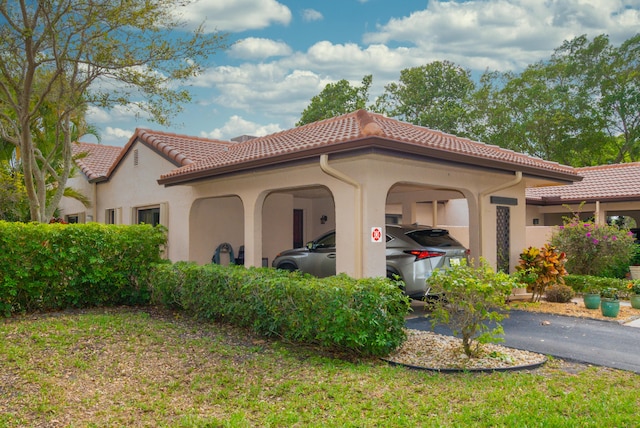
{"x": 56, "y": 266}
{"x": 364, "y": 316}
{"x": 588, "y": 283}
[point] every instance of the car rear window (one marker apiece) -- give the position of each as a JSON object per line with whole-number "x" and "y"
{"x": 433, "y": 238}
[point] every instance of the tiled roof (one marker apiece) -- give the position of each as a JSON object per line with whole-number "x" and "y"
{"x": 97, "y": 160}
{"x": 357, "y": 130}
{"x": 178, "y": 149}
{"x": 605, "y": 182}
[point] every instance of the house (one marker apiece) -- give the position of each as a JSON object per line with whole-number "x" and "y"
{"x": 351, "y": 173}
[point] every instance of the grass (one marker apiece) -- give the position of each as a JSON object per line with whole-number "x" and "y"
{"x": 148, "y": 367}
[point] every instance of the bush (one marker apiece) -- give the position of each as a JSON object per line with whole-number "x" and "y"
{"x": 540, "y": 268}
{"x": 595, "y": 284}
{"x": 593, "y": 249}
{"x": 472, "y": 297}
{"x": 364, "y": 316}
{"x": 55, "y": 266}
{"x": 559, "y": 293}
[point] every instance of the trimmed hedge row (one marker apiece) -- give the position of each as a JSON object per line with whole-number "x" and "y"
{"x": 365, "y": 316}
{"x": 587, "y": 283}
{"x": 56, "y": 266}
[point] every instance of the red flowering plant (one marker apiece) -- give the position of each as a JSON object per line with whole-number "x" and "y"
{"x": 594, "y": 249}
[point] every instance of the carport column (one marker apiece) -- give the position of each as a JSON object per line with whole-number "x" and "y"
{"x": 374, "y": 202}
{"x": 409, "y": 208}
{"x": 253, "y": 228}
{"x": 474, "y": 224}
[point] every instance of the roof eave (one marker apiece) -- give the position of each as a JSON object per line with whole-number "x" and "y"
{"x": 371, "y": 142}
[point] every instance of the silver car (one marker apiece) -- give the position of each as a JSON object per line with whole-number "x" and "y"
{"x": 413, "y": 252}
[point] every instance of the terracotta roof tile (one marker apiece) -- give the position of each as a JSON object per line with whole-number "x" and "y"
{"x": 181, "y": 149}
{"x": 605, "y": 182}
{"x": 337, "y": 133}
{"x": 98, "y": 159}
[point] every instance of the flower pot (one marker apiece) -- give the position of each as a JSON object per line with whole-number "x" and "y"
{"x": 591, "y": 301}
{"x": 635, "y": 301}
{"x": 610, "y": 307}
{"x": 635, "y": 272}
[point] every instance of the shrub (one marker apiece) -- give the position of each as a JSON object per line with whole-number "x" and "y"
{"x": 559, "y": 293}
{"x": 55, "y": 266}
{"x": 472, "y": 297}
{"x": 593, "y": 249}
{"x": 595, "y": 284}
{"x": 364, "y": 316}
{"x": 540, "y": 268}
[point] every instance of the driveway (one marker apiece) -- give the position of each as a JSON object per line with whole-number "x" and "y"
{"x": 602, "y": 343}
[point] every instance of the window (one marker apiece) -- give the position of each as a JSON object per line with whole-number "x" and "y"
{"x": 74, "y": 218}
{"x": 110, "y": 216}
{"x": 149, "y": 216}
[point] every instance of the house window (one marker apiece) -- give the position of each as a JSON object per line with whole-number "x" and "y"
{"x": 110, "y": 216}
{"x": 149, "y": 216}
{"x": 73, "y": 218}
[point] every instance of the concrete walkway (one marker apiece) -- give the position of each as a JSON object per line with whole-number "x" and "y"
{"x": 602, "y": 343}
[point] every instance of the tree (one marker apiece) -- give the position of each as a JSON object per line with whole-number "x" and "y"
{"x": 69, "y": 54}
{"x": 435, "y": 95}
{"x": 336, "y": 99}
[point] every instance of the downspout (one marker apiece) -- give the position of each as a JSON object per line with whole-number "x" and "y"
{"x": 95, "y": 202}
{"x": 327, "y": 169}
{"x": 483, "y": 194}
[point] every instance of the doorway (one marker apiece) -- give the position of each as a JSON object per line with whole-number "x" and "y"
{"x": 298, "y": 228}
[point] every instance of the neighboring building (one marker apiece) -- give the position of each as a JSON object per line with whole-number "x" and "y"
{"x": 352, "y": 173}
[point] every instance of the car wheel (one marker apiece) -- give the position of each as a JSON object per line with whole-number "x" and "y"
{"x": 288, "y": 266}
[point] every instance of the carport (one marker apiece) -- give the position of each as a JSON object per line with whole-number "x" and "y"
{"x": 346, "y": 170}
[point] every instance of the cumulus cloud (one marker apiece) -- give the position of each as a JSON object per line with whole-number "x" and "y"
{"x": 236, "y": 15}
{"x": 258, "y": 48}
{"x": 237, "y": 126}
{"x": 505, "y": 34}
{"x": 309, "y": 15}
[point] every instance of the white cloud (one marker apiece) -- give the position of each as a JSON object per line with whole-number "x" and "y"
{"x": 236, "y": 15}
{"x": 258, "y": 48}
{"x": 237, "y": 126}
{"x": 309, "y": 15}
{"x": 505, "y": 34}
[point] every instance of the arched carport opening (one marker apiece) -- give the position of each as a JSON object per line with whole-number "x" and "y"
{"x": 293, "y": 216}
{"x": 212, "y": 222}
{"x": 414, "y": 203}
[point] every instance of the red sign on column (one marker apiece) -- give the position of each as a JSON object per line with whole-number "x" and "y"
{"x": 376, "y": 234}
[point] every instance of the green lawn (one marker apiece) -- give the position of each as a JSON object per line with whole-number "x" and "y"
{"x": 147, "y": 367}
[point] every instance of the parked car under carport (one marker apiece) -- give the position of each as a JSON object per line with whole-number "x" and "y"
{"x": 412, "y": 253}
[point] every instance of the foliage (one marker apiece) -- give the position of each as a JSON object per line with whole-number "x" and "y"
{"x": 594, "y": 284}
{"x": 336, "y": 99}
{"x": 62, "y": 56}
{"x": 56, "y": 266}
{"x": 433, "y": 95}
{"x": 609, "y": 293}
{"x": 364, "y": 316}
{"x": 633, "y": 287}
{"x": 559, "y": 293}
{"x": 14, "y": 202}
{"x": 540, "y": 268}
{"x": 471, "y": 298}
{"x": 594, "y": 249}
{"x": 635, "y": 258}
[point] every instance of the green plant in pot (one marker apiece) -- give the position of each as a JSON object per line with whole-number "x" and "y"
{"x": 634, "y": 294}
{"x": 609, "y": 302}
{"x": 591, "y": 298}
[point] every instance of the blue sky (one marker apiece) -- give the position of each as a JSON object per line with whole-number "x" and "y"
{"x": 286, "y": 51}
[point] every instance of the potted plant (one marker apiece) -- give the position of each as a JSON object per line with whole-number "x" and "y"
{"x": 634, "y": 268}
{"x": 609, "y": 302}
{"x": 634, "y": 294}
{"x": 591, "y": 298}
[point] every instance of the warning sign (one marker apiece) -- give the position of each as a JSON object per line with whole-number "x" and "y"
{"x": 376, "y": 234}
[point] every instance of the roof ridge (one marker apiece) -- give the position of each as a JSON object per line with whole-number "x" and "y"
{"x": 608, "y": 166}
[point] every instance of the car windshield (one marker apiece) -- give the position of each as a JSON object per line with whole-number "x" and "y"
{"x": 433, "y": 238}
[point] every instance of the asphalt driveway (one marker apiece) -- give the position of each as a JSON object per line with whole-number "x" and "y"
{"x": 602, "y": 343}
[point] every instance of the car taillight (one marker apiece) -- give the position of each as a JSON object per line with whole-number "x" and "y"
{"x": 424, "y": 254}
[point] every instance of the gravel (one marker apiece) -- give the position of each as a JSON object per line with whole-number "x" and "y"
{"x": 425, "y": 349}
